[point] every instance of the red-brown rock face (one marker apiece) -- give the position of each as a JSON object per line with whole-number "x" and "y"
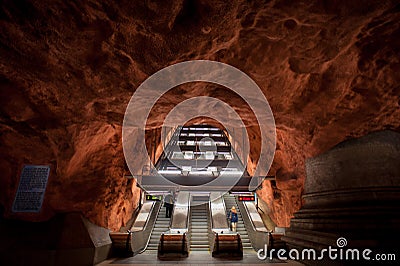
{"x": 329, "y": 70}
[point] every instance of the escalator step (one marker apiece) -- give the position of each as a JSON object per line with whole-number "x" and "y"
{"x": 199, "y": 246}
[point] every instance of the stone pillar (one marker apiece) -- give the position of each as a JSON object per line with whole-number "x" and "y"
{"x": 351, "y": 191}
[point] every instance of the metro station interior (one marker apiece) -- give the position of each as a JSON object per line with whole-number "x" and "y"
{"x": 306, "y": 155}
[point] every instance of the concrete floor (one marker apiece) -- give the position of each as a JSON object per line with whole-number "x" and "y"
{"x": 196, "y": 258}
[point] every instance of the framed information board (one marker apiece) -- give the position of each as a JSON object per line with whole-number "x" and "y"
{"x": 31, "y": 188}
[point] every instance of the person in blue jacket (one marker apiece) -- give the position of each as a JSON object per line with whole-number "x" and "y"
{"x": 233, "y": 218}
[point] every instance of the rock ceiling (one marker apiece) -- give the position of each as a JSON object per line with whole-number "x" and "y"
{"x": 329, "y": 69}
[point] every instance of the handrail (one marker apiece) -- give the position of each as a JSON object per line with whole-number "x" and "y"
{"x": 223, "y": 202}
{"x": 239, "y": 240}
{"x": 141, "y": 231}
{"x": 162, "y": 243}
{"x": 217, "y": 241}
{"x": 147, "y": 220}
{"x": 211, "y": 233}
{"x": 128, "y": 241}
{"x": 251, "y": 220}
{"x": 183, "y": 242}
{"x": 247, "y": 212}
{"x": 148, "y": 240}
{"x": 172, "y": 215}
{"x": 258, "y": 238}
{"x": 188, "y": 214}
{"x": 210, "y": 214}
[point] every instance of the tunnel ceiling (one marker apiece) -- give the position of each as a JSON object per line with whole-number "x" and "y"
{"x": 329, "y": 69}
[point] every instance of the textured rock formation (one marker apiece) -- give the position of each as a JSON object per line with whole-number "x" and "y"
{"x": 351, "y": 191}
{"x": 329, "y": 70}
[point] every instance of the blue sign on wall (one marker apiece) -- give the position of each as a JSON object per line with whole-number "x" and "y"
{"x": 31, "y": 188}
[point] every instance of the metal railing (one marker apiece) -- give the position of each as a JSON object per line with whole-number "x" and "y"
{"x": 158, "y": 213}
{"x": 257, "y": 237}
{"x": 251, "y": 220}
{"x": 152, "y": 217}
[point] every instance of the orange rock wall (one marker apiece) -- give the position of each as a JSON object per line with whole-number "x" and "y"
{"x": 329, "y": 70}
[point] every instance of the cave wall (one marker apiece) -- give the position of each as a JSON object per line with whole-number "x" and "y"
{"x": 329, "y": 70}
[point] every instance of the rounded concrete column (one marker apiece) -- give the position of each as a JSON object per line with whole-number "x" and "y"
{"x": 351, "y": 191}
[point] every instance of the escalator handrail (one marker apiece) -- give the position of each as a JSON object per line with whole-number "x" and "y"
{"x": 184, "y": 242}
{"x": 217, "y": 242}
{"x": 147, "y": 220}
{"x": 210, "y": 214}
{"x": 251, "y": 220}
{"x": 239, "y": 241}
{"x": 226, "y": 219}
{"x": 188, "y": 216}
{"x": 247, "y": 214}
{"x": 148, "y": 240}
{"x": 254, "y": 243}
{"x": 172, "y": 216}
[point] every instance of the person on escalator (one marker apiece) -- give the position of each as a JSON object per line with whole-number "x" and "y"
{"x": 169, "y": 205}
{"x": 233, "y": 218}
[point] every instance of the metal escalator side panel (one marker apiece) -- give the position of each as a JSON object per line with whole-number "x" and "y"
{"x": 160, "y": 225}
{"x": 218, "y": 216}
{"x": 180, "y": 217}
{"x": 140, "y": 239}
{"x": 257, "y": 238}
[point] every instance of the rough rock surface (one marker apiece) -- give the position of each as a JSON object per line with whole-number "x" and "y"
{"x": 329, "y": 69}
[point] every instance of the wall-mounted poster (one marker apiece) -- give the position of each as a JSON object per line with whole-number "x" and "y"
{"x": 31, "y": 188}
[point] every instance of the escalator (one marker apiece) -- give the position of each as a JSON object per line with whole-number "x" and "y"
{"x": 199, "y": 228}
{"x": 230, "y": 201}
{"x": 194, "y": 227}
{"x": 161, "y": 225}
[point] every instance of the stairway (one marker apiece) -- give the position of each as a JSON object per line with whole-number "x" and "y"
{"x": 230, "y": 201}
{"x": 161, "y": 225}
{"x": 199, "y": 228}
